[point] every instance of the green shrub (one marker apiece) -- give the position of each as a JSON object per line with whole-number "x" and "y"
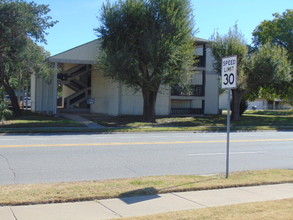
{"x": 4, "y": 112}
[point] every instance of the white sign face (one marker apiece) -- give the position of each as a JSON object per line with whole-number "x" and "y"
{"x": 229, "y": 72}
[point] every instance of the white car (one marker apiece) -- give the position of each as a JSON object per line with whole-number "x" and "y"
{"x": 25, "y": 103}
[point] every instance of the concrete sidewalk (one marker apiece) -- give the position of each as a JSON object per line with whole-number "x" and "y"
{"x": 146, "y": 205}
{"x": 81, "y": 119}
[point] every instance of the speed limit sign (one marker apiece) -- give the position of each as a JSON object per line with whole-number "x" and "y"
{"x": 229, "y": 81}
{"x": 229, "y": 72}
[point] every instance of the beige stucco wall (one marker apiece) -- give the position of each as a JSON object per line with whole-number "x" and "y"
{"x": 105, "y": 95}
{"x": 211, "y": 93}
{"x": 42, "y": 97}
{"x": 132, "y": 102}
{"x": 33, "y": 92}
{"x": 212, "y": 85}
{"x": 66, "y": 91}
{"x": 209, "y": 60}
{"x": 163, "y": 105}
{"x": 115, "y": 99}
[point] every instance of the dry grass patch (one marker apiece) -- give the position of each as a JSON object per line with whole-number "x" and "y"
{"x": 90, "y": 190}
{"x": 281, "y": 209}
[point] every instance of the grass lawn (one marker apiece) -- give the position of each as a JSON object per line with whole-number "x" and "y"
{"x": 267, "y": 119}
{"x": 29, "y": 119}
{"x": 251, "y": 120}
{"x": 271, "y": 210}
{"x": 91, "y": 190}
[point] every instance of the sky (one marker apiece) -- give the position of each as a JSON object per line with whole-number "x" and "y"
{"x": 78, "y": 19}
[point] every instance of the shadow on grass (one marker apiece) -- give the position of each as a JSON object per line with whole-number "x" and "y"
{"x": 139, "y": 195}
{"x": 149, "y": 193}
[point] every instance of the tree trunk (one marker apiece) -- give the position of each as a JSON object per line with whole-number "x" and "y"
{"x": 235, "y": 105}
{"x": 149, "y": 105}
{"x": 13, "y": 98}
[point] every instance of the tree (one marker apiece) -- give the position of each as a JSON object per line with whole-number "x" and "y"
{"x": 31, "y": 60}
{"x": 230, "y": 44}
{"x": 278, "y": 31}
{"x": 268, "y": 72}
{"x": 19, "y": 23}
{"x": 147, "y": 43}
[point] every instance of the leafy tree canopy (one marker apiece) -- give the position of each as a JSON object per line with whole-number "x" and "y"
{"x": 20, "y": 23}
{"x": 147, "y": 43}
{"x": 232, "y": 43}
{"x": 269, "y": 73}
{"x": 277, "y": 31}
{"x": 264, "y": 71}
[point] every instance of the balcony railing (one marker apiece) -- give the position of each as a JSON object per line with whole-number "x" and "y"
{"x": 193, "y": 90}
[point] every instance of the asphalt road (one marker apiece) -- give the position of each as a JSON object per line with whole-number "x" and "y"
{"x": 40, "y": 158}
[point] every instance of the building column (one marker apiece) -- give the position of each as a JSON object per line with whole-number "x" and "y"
{"x": 55, "y": 87}
{"x": 33, "y": 92}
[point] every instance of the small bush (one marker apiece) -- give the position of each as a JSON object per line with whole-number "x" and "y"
{"x": 4, "y": 112}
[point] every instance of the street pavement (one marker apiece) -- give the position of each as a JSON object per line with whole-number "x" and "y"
{"x": 270, "y": 147}
{"x": 41, "y": 158}
{"x": 147, "y": 205}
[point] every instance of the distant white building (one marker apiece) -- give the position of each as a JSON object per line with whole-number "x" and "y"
{"x": 258, "y": 104}
{"x": 85, "y": 88}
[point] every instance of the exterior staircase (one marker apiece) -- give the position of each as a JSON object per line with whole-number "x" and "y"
{"x": 77, "y": 97}
{"x": 72, "y": 79}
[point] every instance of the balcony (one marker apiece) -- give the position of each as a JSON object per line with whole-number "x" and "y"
{"x": 193, "y": 90}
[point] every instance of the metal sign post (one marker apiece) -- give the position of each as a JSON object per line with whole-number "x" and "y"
{"x": 229, "y": 81}
{"x": 228, "y": 134}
